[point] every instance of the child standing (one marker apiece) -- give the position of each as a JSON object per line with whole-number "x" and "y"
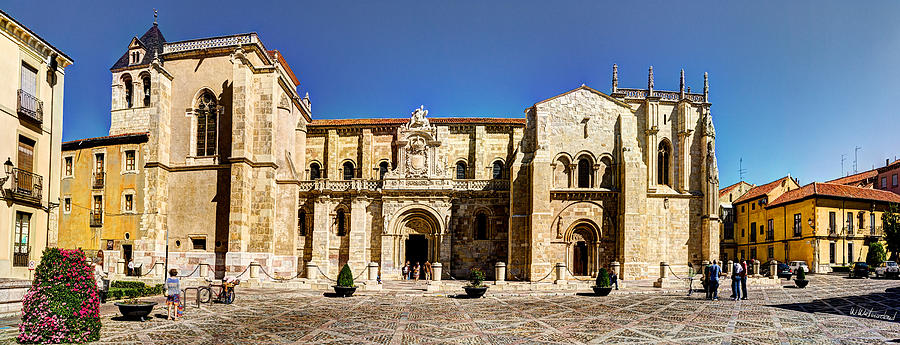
{"x": 173, "y": 296}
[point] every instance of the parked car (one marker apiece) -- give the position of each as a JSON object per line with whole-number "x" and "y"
{"x": 796, "y": 265}
{"x": 784, "y": 271}
{"x": 859, "y": 270}
{"x": 887, "y": 269}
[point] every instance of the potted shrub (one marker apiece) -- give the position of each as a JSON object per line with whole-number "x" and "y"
{"x": 603, "y": 287}
{"x": 800, "y": 280}
{"x": 476, "y": 288}
{"x": 345, "y": 287}
{"x": 135, "y": 308}
{"x": 62, "y": 305}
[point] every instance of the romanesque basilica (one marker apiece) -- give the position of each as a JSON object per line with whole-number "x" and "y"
{"x": 233, "y": 167}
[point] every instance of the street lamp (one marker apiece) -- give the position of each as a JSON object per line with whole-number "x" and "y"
{"x": 8, "y": 167}
{"x": 811, "y": 224}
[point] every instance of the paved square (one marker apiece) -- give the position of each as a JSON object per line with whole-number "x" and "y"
{"x": 817, "y": 314}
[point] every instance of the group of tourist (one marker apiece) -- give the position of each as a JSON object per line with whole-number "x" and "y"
{"x": 414, "y": 272}
{"x": 712, "y": 273}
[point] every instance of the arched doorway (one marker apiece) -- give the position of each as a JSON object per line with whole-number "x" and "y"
{"x": 583, "y": 253}
{"x": 419, "y": 237}
{"x": 415, "y": 233}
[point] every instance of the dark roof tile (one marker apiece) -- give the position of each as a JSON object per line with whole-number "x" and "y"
{"x": 153, "y": 40}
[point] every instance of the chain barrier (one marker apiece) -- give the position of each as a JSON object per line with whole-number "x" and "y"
{"x": 545, "y": 277}
{"x": 673, "y": 273}
{"x": 323, "y": 274}
{"x": 148, "y": 272}
{"x": 190, "y": 274}
{"x": 356, "y": 277}
{"x": 576, "y": 277}
{"x": 276, "y": 278}
{"x": 242, "y": 273}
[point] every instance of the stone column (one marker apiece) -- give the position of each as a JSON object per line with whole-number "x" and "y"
{"x": 254, "y": 270}
{"x": 312, "y": 271}
{"x": 773, "y": 269}
{"x": 756, "y": 267}
{"x": 479, "y": 165}
{"x": 120, "y": 266}
{"x": 358, "y": 230}
{"x": 204, "y": 270}
{"x": 561, "y": 277}
{"x": 663, "y": 270}
{"x": 159, "y": 269}
{"x": 727, "y": 269}
{"x": 499, "y": 273}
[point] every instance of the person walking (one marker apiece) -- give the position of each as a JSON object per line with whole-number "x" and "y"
{"x": 736, "y": 275}
{"x": 415, "y": 270}
{"x": 613, "y": 278}
{"x": 428, "y": 270}
{"x": 714, "y": 272}
{"x": 406, "y": 271}
{"x": 99, "y": 277}
{"x": 706, "y": 284}
{"x": 744, "y": 279}
{"x": 173, "y": 296}
{"x": 690, "y": 278}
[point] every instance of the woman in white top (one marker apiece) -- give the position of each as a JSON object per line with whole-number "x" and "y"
{"x": 99, "y": 275}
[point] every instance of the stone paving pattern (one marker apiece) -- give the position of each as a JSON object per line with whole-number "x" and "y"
{"x": 817, "y": 314}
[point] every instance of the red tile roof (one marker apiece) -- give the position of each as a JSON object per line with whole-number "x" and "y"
{"x": 835, "y": 190}
{"x": 725, "y": 190}
{"x": 759, "y": 191}
{"x": 107, "y": 140}
{"x": 434, "y": 120}
{"x": 852, "y": 179}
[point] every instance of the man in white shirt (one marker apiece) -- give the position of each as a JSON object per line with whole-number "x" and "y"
{"x": 736, "y": 277}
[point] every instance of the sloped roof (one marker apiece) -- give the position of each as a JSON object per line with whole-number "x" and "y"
{"x": 759, "y": 191}
{"x": 836, "y": 191}
{"x": 725, "y": 190}
{"x": 153, "y": 40}
{"x": 588, "y": 88}
{"x": 277, "y": 56}
{"x": 865, "y": 175}
{"x": 137, "y": 137}
{"x": 433, "y": 120}
{"x": 895, "y": 164}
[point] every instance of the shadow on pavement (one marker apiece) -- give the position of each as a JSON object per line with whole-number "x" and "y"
{"x": 869, "y": 305}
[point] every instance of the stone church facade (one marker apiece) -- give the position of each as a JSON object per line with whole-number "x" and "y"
{"x": 237, "y": 171}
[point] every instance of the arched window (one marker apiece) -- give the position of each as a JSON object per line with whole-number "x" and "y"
{"x": 146, "y": 81}
{"x": 207, "y": 118}
{"x": 301, "y": 223}
{"x": 607, "y": 179}
{"x": 129, "y": 90}
{"x": 341, "y": 223}
{"x": 314, "y": 171}
{"x": 382, "y": 169}
{"x": 662, "y": 163}
{"x": 584, "y": 173}
{"x": 561, "y": 171}
{"x": 460, "y": 170}
{"x": 498, "y": 170}
{"x": 348, "y": 170}
{"x": 481, "y": 226}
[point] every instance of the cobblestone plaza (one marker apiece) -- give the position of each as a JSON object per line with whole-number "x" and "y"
{"x": 818, "y": 314}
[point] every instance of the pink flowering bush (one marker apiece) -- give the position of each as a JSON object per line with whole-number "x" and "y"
{"x": 62, "y": 305}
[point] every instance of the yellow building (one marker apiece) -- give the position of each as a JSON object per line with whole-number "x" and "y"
{"x": 824, "y": 224}
{"x": 728, "y": 246}
{"x": 31, "y": 111}
{"x": 102, "y": 193}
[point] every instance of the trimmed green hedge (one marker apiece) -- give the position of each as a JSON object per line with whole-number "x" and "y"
{"x": 127, "y": 289}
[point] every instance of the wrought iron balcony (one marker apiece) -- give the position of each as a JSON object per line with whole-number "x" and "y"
{"x": 26, "y": 185}
{"x": 96, "y": 218}
{"x": 99, "y": 179}
{"x": 30, "y": 107}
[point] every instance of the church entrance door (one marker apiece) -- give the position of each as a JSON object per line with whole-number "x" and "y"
{"x": 416, "y": 249}
{"x": 580, "y": 259}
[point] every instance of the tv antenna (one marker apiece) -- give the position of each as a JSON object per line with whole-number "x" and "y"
{"x": 741, "y": 170}
{"x": 843, "y": 158}
{"x": 856, "y": 159}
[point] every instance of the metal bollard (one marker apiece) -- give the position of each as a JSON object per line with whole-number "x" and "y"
{"x": 436, "y": 269}
{"x": 500, "y": 271}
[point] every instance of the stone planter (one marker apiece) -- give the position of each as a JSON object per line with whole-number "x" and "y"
{"x": 801, "y": 283}
{"x": 136, "y": 311}
{"x": 475, "y": 292}
{"x": 344, "y": 291}
{"x": 601, "y": 291}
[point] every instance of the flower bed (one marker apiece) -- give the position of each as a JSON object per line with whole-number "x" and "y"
{"x": 62, "y": 305}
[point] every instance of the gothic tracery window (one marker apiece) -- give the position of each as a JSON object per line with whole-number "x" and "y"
{"x": 662, "y": 163}
{"x": 207, "y": 119}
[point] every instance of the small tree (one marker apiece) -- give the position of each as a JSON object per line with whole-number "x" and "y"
{"x": 890, "y": 222}
{"x": 345, "y": 278}
{"x": 476, "y": 277}
{"x": 603, "y": 278}
{"x": 801, "y": 273}
{"x": 62, "y": 305}
{"x": 876, "y": 254}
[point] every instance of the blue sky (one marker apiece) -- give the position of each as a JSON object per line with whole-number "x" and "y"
{"x": 794, "y": 85}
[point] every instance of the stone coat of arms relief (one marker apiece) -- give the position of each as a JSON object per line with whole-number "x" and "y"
{"x": 419, "y": 164}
